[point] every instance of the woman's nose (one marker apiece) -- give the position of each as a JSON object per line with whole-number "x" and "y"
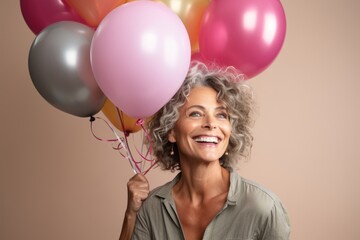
{"x": 209, "y": 122}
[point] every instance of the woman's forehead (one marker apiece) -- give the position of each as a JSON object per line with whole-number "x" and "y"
{"x": 203, "y": 96}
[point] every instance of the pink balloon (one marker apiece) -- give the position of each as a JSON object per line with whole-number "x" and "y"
{"x": 246, "y": 34}
{"x": 38, "y": 14}
{"x": 140, "y": 55}
{"x": 197, "y": 57}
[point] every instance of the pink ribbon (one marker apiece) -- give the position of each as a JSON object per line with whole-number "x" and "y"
{"x": 146, "y": 163}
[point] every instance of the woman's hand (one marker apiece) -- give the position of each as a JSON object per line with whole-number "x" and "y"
{"x": 138, "y": 191}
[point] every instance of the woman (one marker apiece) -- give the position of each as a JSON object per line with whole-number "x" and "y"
{"x": 203, "y": 131}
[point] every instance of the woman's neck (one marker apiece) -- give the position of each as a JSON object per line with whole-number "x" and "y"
{"x": 201, "y": 183}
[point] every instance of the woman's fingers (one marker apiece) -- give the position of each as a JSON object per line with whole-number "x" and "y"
{"x": 138, "y": 191}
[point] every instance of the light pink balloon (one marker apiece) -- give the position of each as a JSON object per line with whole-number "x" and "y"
{"x": 246, "y": 34}
{"x": 140, "y": 56}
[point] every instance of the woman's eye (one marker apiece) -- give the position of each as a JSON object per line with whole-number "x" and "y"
{"x": 195, "y": 114}
{"x": 223, "y": 115}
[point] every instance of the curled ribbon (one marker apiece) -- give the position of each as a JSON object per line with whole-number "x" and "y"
{"x": 146, "y": 163}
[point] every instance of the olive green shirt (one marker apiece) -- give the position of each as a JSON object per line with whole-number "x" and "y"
{"x": 251, "y": 212}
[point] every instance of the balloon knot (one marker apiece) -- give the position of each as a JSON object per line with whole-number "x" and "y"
{"x": 92, "y": 118}
{"x": 140, "y": 122}
{"x": 126, "y": 133}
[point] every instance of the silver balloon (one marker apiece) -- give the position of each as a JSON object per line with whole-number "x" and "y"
{"x": 59, "y": 66}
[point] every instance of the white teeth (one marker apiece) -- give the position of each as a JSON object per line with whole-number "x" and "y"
{"x": 207, "y": 139}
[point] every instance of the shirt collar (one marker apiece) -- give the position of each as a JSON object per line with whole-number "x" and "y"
{"x": 235, "y": 187}
{"x": 233, "y": 194}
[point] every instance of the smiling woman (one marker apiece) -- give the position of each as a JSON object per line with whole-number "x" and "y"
{"x": 203, "y": 131}
{"x": 235, "y": 99}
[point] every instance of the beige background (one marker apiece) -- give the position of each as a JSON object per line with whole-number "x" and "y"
{"x": 58, "y": 182}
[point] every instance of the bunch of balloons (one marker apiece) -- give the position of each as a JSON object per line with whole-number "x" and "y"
{"x": 130, "y": 57}
{"x": 137, "y": 53}
{"x": 134, "y": 54}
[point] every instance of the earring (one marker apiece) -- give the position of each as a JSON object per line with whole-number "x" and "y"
{"x": 226, "y": 153}
{"x": 172, "y": 150}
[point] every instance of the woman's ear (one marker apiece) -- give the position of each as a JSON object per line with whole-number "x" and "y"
{"x": 171, "y": 136}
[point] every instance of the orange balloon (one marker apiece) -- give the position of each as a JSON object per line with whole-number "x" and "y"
{"x": 119, "y": 119}
{"x": 191, "y": 13}
{"x": 93, "y": 11}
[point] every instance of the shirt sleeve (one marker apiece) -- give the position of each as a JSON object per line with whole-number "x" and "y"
{"x": 277, "y": 224}
{"x": 141, "y": 230}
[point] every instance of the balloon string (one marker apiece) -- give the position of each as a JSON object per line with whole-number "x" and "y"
{"x": 151, "y": 166}
{"x": 144, "y": 157}
{"x": 123, "y": 145}
{"x": 140, "y": 152}
{"x": 118, "y": 147}
{"x": 92, "y": 119}
{"x": 126, "y": 134}
{"x": 140, "y": 122}
{"x": 121, "y": 120}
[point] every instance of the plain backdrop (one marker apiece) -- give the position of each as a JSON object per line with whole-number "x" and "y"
{"x": 58, "y": 182}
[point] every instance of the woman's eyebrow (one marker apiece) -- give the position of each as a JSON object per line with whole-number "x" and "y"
{"x": 222, "y": 108}
{"x": 203, "y": 108}
{"x": 196, "y": 106}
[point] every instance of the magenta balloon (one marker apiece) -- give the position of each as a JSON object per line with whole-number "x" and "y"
{"x": 140, "y": 55}
{"x": 246, "y": 34}
{"x": 38, "y": 14}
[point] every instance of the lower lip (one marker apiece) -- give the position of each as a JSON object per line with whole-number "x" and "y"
{"x": 206, "y": 144}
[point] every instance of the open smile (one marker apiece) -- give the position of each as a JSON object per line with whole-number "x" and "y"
{"x": 207, "y": 139}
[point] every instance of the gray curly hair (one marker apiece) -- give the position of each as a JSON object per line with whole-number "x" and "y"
{"x": 237, "y": 98}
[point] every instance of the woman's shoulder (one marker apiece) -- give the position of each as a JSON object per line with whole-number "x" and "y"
{"x": 250, "y": 194}
{"x": 252, "y": 188}
{"x": 265, "y": 204}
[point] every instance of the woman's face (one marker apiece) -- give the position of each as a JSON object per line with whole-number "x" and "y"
{"x": 203, "y": 129}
